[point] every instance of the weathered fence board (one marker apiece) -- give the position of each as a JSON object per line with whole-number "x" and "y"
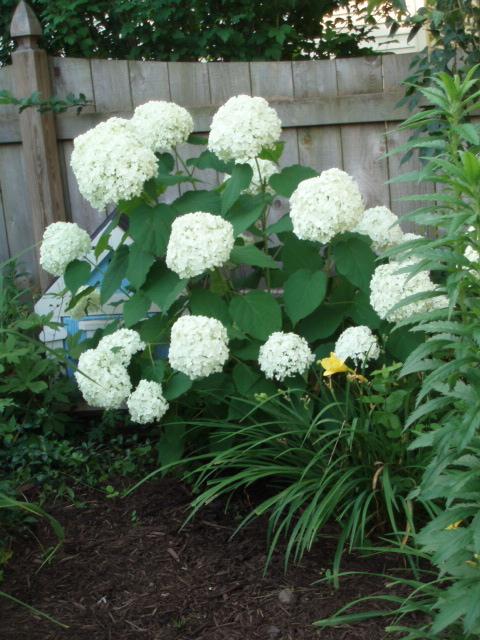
{"x": 189, "y": 84}
{"x": 111, "y": 86}
{"x": 148, "y": 81}
{"x": 4, "y": 248}
{"x": 17, "y": 221}
{"x": 72, "y": 75}
{"x": 227, "y": 80}
{"x": 334, "y": 113}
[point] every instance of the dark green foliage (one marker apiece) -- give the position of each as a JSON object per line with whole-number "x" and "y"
{"x": 453, "y": 28}
{"x": 31, "y": 383}
{"x": 201, "y": 29}
{"x": 447, "y": 358}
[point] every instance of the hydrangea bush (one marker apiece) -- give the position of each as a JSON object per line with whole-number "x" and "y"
{"x": 221, "y": 299}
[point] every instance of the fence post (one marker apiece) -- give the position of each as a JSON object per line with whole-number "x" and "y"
{"x": 39, "y": 139}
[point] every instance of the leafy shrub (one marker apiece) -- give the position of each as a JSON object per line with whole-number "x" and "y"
{"x": 448, "y": 362}
{"x": 171, "y": 30}
{"x": 452, "y": 34}
{"x": 244, "y": 277}
{"x": 246, "y": 305}
{"x": 34, "y": 394}
{"x": 31, "y": 383}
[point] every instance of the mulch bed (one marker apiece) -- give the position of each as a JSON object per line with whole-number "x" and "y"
{"x": 126, "y": 572}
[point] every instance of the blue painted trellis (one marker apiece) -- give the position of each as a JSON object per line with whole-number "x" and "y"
{"x": 55, "y": 300}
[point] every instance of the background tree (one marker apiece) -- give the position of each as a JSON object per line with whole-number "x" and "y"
{"x": 453, "y": 31}
{"x": 195, "y": 30}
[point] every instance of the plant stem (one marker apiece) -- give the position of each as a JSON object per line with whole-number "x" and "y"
{"x": 264, "y": 222}
{"x": 185, "y": 168}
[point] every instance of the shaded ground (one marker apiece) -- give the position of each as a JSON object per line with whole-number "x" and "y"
{"x": 126, "y": 572}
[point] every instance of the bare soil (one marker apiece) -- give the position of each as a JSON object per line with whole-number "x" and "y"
{"x": 128, "y": 571}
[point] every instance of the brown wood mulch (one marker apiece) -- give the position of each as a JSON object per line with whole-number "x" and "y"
{"x": 126, "y": 572}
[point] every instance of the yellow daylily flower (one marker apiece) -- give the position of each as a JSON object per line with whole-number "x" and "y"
{"x": 356, "y": 376}
{"x": 454, "y": 525}
{"x": 333, "y": 365}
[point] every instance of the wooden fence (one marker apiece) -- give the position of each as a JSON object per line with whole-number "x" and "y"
{"x": 335, "y": 113}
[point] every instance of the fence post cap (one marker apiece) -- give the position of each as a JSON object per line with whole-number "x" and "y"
{"x": 24, "y": 22}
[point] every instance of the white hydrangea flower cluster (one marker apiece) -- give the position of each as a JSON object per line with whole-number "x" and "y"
{"x": 162, "y": 125}
{"x": 381, "y": 225}
{"x": 242, "y": 127}
{"x": 198, "y": 241}
{"x": 323, "y": 206}
{"x": 102, "y": 374}
{"x": 409, "y": 237}
{"x": 111, "y": 163}
{"x": 88, "y": 304}
{"x": 102, "y": 379}
{"x": 388, "y": 288}
{"x": 284, "y": 355}
{"x": 63, "y": 242}
{"x": 198, "y": 346}
{"x": 147, "y": 403}
{"x": 124, "y": 343}
{"x": 472, "y": 254}
{"x": 357, "y": 343}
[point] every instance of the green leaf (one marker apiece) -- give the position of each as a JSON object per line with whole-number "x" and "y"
{"x": 323, "y": 322}
{"x": 285, "y": 182}
{"x": 218, "y": 284}
{"x": 244, "y": 378}
{"x": 206, "y": 303}
{"x": 246, "y": 350}
{"x": 469, "y": 132}
{"x": 281, "y": 226}
{"x": 139, "y": 263}
{"x": 150, "y": 227}
{"x": 102, "y": 243}
{"x": 154, "y": 330}
{"x": 300, "y": 254}
{"x": 245, "y": 212}
{"x": 192, "y": 201}
{"x": 155, "y": 371}
{"x": 166, "y": 162}
{"x": 251, "y": 255}
{"x": 395, "y": 400}
{"x": 37, "y": 386}
{"x": 163, "y": 286}
{"x": 215, "y": 388}
{"x": 304, "y": 291}
{"x": 196, "y": 139}
{"x": 239, "y": 180}
{"x": 176, "y": 386}
{"x": 171, "y": 445}
{"x": 208, "y": 160}
{"x": 115, "y": 273}
{"x": 76, "y": 274}
{"x": 274, "y": 154}
{"x": 257, "y": 313}
{"x": 354, "y": 259}
{"x": 402, "y": 342}
{"x": 77, "y": 297}
{"x": 361, "y": 311}
{"x": 135, "y": 308}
